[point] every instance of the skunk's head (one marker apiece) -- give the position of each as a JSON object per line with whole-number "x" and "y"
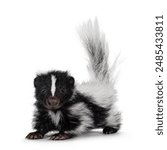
{"x": 53, "y": 89}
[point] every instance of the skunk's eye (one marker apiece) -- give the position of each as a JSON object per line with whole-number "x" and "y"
{"x": 62, "y": 90}
{"x": 43, "y": 90}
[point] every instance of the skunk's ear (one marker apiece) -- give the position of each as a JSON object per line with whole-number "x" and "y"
{"x": 71, "y": 81}
{"x": 37, "y": 81}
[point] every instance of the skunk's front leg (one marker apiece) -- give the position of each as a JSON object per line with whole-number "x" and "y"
{"x": 42, "y": 125}
{"x": 35, "y": 135}
{"x": 61, "y": 136}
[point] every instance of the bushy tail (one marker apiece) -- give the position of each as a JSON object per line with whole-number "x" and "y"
{"x": 97, "y": 49}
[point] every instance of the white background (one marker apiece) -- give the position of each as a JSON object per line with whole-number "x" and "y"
{"x": 38, "y": 35}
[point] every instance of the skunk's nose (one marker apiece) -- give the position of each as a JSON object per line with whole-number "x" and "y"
{"x": 53, "y": 101}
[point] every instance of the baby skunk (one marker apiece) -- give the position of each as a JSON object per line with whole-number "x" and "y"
{"x": 73, "y": 109}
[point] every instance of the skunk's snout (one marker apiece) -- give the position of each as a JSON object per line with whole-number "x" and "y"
{"x": 53, "y": 102}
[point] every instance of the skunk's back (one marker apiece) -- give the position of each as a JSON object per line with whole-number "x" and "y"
{"x": 102, "y": 94}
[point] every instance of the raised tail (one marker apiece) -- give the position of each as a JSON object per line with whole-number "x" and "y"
{"x": 97, "y": 49}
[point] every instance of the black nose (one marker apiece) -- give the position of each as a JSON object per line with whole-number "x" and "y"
{"x": 53, "y": 101}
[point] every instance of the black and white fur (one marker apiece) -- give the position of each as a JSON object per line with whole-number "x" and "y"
{"x": 71, "y": 108}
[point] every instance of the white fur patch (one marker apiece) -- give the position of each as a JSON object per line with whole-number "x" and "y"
{"x": 53, "y": 84}
{"x": 84, "y": 114}
{"x": 102, "y": 94}
{"x": 55, "y": 117}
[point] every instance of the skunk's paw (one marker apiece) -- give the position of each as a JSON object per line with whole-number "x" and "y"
{"x": 60, "y": 136}
{"x": 109, "y": 130}
{"x": 34, "y": 135}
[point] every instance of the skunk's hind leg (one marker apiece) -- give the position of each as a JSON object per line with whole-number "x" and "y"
{"x": 110, "y": 130}
{"x": 113, "y": 121}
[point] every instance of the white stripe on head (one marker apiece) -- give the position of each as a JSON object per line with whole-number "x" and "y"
{"x": 53, "y": 84}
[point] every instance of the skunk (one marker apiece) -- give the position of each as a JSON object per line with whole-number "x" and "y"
{"x": 73, "y": 109}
